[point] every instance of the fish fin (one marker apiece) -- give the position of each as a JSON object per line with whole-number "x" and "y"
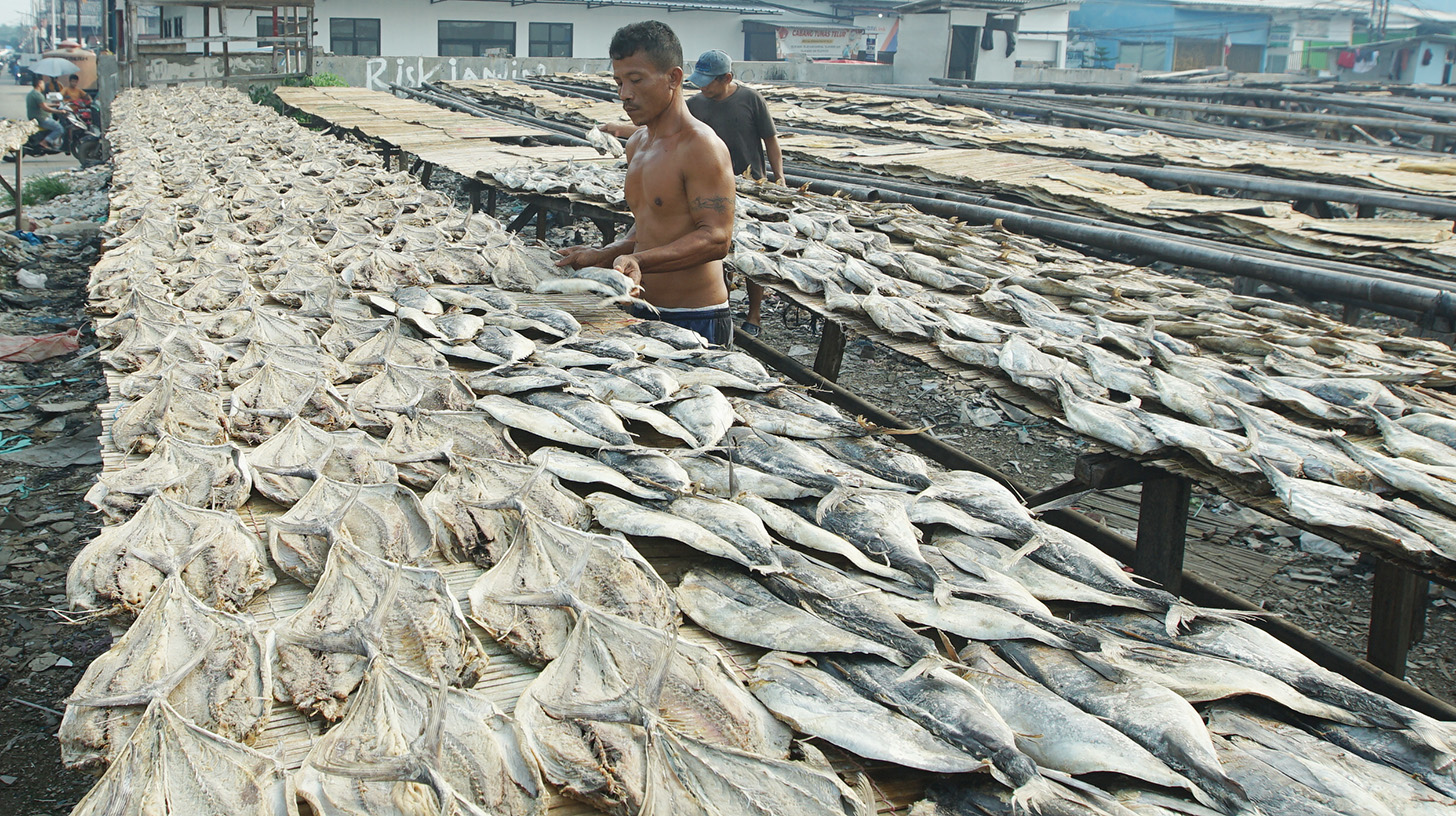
{"x": 1025, "y": 549}
{"x": 1059, "y": 503}
{"x": 1086, "y": 794}
{"x": 924, "y": 665}
{"x": 941, "y": 593}
{"x": 1102, "y": 667}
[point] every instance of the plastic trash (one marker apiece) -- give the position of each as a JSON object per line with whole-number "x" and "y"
{"x": 30, "y": 280}
{"x": 19, "y": 349}
{"x": 1318, "y": 545}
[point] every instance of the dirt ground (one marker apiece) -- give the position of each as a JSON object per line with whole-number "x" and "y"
{"x": 44, "y": 522}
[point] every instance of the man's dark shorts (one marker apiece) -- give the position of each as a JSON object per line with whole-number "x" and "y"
{"x": 714, "y": 322}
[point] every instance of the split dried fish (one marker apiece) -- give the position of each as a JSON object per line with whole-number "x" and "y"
{"x": 219, "y": 560}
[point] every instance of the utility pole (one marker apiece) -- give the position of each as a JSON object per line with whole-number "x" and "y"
{"x": 53, "y": 23}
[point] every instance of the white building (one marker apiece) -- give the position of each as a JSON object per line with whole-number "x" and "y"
{"x": 979, "y": 39}
{"x": 745, "y": 29}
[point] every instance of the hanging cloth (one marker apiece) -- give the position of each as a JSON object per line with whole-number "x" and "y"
{"x": 1346, "y": 59}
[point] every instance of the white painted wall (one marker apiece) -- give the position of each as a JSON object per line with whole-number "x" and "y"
{"x": 1044, "y": 30}
{"x": 411, "y": 28}
{"x": 924, "y": 48}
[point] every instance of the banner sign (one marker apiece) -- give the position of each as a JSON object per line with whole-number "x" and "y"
{"x": 819, "y": 43}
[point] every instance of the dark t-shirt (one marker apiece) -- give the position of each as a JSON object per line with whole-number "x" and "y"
{"x": 742, "y": 121}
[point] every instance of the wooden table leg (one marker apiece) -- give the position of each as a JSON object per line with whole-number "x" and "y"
{"x": 542, "y": 216}
{"x": 520, "y": 221}
{"x": 429, "y": 171}
{"x": 474, "y": 189}
{"x": 1397, "y": 612}
{"x": 489, "y": 200}
{"x": 1163, "y": 530}
{"x": 831, "y": 351}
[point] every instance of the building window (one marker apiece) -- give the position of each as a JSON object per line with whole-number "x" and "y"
{"x": 286, "y": 26}
{"x": 171, "y": 27}
{"x": 550, "y": 39}
{"x": 354, "y": 36}
{"x": 477, "y": 38}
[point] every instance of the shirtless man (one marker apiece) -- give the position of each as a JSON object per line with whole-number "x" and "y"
{"x": 679, "y": 187}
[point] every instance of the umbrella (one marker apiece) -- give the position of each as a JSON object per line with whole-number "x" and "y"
{"x": 53, "y": 67}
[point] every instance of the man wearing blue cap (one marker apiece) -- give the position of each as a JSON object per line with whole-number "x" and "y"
{"x": 741, "y": 119}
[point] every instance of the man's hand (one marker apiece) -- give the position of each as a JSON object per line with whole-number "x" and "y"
{"x": 628, "y": 266}
{"x": 578, "y": 256}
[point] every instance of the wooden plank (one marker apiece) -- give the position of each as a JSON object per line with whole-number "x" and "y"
{"x": 831, "y": 350}
{"x": 1394, "y": 610}
{"x": 1163, "y": 530}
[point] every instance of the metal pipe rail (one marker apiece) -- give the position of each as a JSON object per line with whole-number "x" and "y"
{"x": 1106, "y": 118}
{"x": 1420, "y": 299}
{"x": 878, "y": 183}
{"x": 1288, "y": 189}
{"x": 1411, "y": 124}
{"x": 1303, "y": 95}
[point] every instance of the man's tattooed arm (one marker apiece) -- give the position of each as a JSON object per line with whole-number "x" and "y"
{"x": 714, "y": 203}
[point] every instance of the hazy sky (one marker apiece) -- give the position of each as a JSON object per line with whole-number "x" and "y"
{"x": 10, "y": 11}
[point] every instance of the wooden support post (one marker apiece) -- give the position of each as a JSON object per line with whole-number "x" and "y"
{"x": 1163, "y": 530}
{"x": 542, "y": 216}
{"x": 15, "y": 192}
{"x": 608, "y": 228}
{"x": 428, "y": 171}
{"x": 831, "y": 351}
{"x": 1364, "y": 210}
{"x": 1245, "y": 286}
{"x": 418, "y": 163}
{"x": 473, "y": 188}
{"x": 489, "y": 199}
{"x": 520, "y": 221}
{"x": 1397, "y": 610}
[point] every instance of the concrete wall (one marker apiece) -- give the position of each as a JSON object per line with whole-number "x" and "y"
{"x": 924, "y": 48}
{"x": 1091, "y": 76}
{"x": 374, "y": 72}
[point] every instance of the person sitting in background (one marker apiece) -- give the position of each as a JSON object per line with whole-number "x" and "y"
{"x": 73, "y": 93}
{"x": 38, "y": 110}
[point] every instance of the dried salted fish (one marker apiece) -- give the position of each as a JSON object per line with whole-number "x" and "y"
{"x": 539, "y": 421}
{"x": 1105, "y": 421}
{"x": 389, "y": 346}
{"x": 524, "y": 600}
{"x": 515, "y": 266}
{"x": 988, "y": 559}
{"x": 493, "y": 345}
{"x": 171, "y": 410}
{"x": 211, "y": 476}
{"x": 1376, "y": 788}
{"x": 574, "y": 467}
{"x": 384, "y": 520}
{"x": 477, "y": 506}
{"x": 406, "y": 746}
{"x": 1408, "y": 444}
{"x": 520, "y": 379}
{"x": 275, "y": 395}
{"x": 365, "y": 606}
{"x": 421, "y": 445}
{"x": 407, "y": 390}
{"x": 876, "y": 523}
{"x": 1432, "y": 426}
{"x": 718, "y": 477}
{"x": 347, "y": 332}
{"x": 733, "y": 605}
{"x": 148, "y": 339}
{"x": 171, "y": 766}
{"x": 212, "y": 667}
{"x": 1145, "y": 712}
{"x": 307, "y": 359}
{"x": 592, "y": 417}
{"x": 607, "y": 657}
{"x": 649, "y": 467}
{"x": 202, "y": 376}
{"x": 218, "y": 559}
{"x": 705, "y": 412}
{"x": 284, "y": 466}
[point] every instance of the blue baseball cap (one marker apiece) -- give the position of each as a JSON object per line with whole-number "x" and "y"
{"x": 710, "y": 66}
